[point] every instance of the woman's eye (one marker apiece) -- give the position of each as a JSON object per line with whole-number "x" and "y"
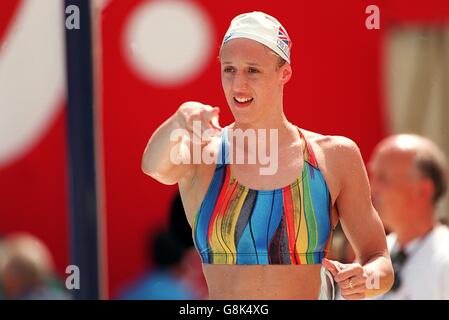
{"x": 253, "y": 70}
{"x": 228, "y": 69}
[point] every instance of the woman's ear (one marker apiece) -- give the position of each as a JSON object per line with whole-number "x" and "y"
{"x": 285, "y": 73}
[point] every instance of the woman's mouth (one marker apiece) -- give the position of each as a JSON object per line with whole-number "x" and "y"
{"x": 243, "y": 102}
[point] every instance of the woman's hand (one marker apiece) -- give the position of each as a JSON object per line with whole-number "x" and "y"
{"x": 168, "y": 155}
{"x": 351, "y": 278}
{"x": 205, "y": 117}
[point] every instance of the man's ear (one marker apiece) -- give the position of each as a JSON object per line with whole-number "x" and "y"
{"x": 285, "y": 73}
{"x": 427, "y": 188}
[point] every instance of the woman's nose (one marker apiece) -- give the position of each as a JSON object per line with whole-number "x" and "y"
{"x": 239, "y": 82}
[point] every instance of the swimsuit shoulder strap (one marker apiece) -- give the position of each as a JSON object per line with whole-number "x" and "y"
{"x": 308, "y": 153}
{"x": 223, "y": 153}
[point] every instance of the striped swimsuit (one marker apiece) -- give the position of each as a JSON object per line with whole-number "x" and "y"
{"x": 239, "y": 225}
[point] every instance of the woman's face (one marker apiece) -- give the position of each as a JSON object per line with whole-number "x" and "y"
{"x": 251, "y": 80}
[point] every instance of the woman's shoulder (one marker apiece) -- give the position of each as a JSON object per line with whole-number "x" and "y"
{"x": 330, "y": 142}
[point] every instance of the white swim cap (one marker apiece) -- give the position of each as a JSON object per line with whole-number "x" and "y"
{"x": 263, "y": 28}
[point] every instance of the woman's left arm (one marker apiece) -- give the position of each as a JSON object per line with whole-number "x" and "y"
{"x": 372, "y": 274}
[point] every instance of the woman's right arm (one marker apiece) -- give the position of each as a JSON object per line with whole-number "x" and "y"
{"x": 158, "y": 158}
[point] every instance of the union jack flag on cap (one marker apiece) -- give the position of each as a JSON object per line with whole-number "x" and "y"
{"x": 283, "y": 36}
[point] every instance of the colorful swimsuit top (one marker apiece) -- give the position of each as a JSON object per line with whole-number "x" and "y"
{"x": 239, "y": 225}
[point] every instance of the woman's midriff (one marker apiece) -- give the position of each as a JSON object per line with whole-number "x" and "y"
{"x": 271, "y": 282}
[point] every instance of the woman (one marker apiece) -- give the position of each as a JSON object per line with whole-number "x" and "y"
{"x": 267, "y": 236}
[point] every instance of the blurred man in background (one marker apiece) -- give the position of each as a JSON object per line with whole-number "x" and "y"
{"x": 408, "y": 177}
{"x": 174, "y": 265}
{"x": 164, "y": 280}
{"x": 26, "y": 270}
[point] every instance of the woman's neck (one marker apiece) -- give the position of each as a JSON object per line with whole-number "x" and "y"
{"x": 279, "y": 122}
